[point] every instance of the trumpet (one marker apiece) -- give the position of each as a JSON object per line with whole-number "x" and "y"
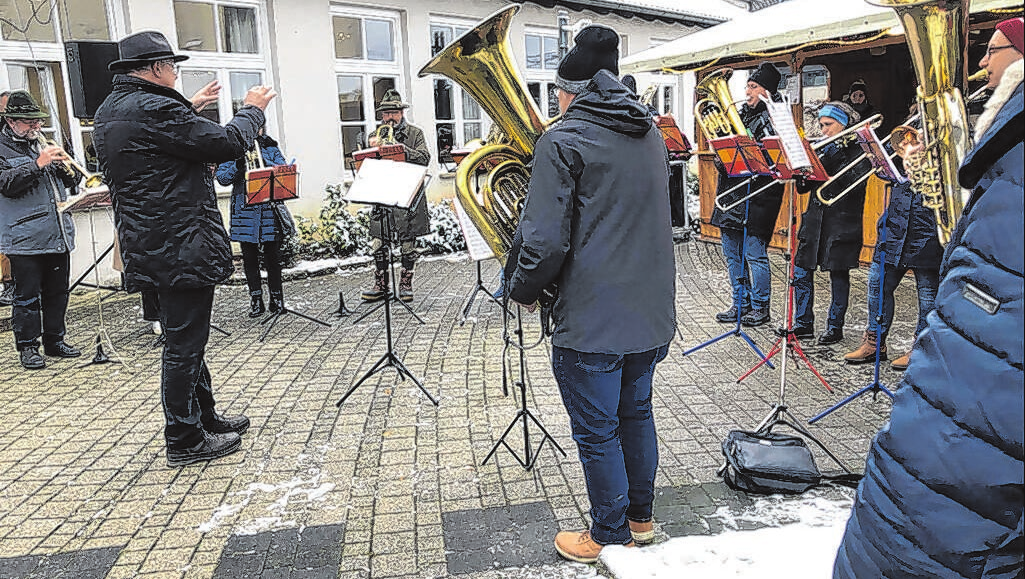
{"x": 71, "y": 167}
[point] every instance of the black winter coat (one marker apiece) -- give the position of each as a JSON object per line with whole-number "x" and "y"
{"x": 831, "y": 237}
{"x": 764, "y": 207}
{"x": 944, "y": 489}
{"x": 156, "y": 153}
{"x": 414, "y": 222}
{"x": 908, "y": 237}
{"x": 597, "y": 222}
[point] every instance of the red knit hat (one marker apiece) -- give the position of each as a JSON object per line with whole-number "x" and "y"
{"x": 1014, "y": 30}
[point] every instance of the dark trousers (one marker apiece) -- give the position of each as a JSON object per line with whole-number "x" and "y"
{"x": 150, "y": 305}
{"x": 608, "y": 399}
{"x": 927, "y": 282}
{"x": 251, "y": 265}
{"x": 804, "y": 297}
{"x": 185, "y": 387}
{"x": 40, "y": 297}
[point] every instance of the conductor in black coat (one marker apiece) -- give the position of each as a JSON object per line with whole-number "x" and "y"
{"x": 831, "y": 236}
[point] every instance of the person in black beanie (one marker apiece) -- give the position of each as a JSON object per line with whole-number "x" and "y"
{"x": 751, "y": 224}
{"x": 597, "y": 223}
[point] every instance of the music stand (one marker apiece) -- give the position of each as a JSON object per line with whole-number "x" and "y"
{"x": 285, "y": 310}
{"x": 523, "y": 415}
{"x": 479, "y": 250}
{"x": 382, "y": 215}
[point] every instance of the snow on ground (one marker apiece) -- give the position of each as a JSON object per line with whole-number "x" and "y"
{"x": 803, "y": 547}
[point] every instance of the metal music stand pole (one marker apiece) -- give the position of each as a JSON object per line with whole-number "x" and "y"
{"x": 389, "y": 358}
{"x": 789, "y": 341}
{"x": 876, "y": 386}
{"x": 738, "y": 331}
{"x": 100, "y": 357}
{"x": 473, "y": 295}
{"x": 524, "y": 415}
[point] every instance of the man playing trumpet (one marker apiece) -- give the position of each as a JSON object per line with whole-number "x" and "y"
{"x": 34, "y": 234}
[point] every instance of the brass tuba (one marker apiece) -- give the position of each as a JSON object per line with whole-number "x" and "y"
{"x": 480, "y": 62}
{"x": 716, "y": 111}
{"x": 937, "y": 36}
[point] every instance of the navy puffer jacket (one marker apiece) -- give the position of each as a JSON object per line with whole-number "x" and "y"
{"x": 943, "y": 489}
{"x": 258, "y": 223}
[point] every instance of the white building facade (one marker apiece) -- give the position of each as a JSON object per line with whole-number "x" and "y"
{"x": 331, "y": 62}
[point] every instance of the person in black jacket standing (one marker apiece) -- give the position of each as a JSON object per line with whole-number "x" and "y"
{"x": 156, "y": 151}
{"x": 597, "y": 223}
{"x": 830, "y": 236}
{"x": 755, "y": 219}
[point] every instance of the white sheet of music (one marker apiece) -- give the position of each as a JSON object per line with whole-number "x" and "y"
{"x": 786, "y": 130}
{"x": 386, "y": 182}
{"x": 475, "y": 244}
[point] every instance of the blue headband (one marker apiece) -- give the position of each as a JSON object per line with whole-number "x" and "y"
{"x": 834, "y": 112}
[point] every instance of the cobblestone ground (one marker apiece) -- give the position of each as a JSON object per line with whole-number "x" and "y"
{"x": 387, "y": 485}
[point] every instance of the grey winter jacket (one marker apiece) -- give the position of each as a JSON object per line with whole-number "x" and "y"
{"x": 30, "y": 223}
{"x": 596, "y": 221}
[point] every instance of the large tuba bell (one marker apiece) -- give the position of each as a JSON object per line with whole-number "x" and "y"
{"x": 480, "y": 62}
{"x": 716, "y": 111}
{"x": 937, "y": 36}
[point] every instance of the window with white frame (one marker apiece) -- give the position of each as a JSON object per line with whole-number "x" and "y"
{"x": 542, "y": 50}
{"x": 542, "y": 60}
{"x": 367, "y": 65}
{"x": 205, "y": 26}
{"x": 458, "y": 117}
{"x": 34, "y": 20}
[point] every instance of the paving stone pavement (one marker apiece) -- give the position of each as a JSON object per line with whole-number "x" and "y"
{"x": 387, "y": 485}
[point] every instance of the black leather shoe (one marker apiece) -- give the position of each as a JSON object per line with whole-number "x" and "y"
{"x": 830, "y": 336}
{"x": 256, "y": 306}
{"x": 31, "y": 359}
{"x": 277, "y": 303}
{"x": 61, "y": 349}
{"x": 800, "y": 332}
{"x": 212, "y": 446}
{"x": 221, "y": 424}
{"x": 756, "y": 317}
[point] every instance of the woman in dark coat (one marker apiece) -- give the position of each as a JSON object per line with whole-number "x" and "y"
{"x": 256, "y": 226}
{"x": 830, "y": 236}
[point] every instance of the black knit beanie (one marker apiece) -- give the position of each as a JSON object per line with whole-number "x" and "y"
{"x": 766, "y": 77}
{"x": 595, "y": 48}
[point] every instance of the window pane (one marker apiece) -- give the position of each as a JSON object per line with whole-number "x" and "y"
{"x": 471, "y": 131}
{"x": 533, "y": 49}
{"x": 445, "y": 139}
{"x": 192, "y": 81}
{"x": 440, "y": 37}
{"x": 348, "y": 37}
{"x": 195, "y": 22}
{"x": 351, "y": 137}
{"x": 381, "y": 86}
{"x": 240, "y": 83}
{"x": 471, "y": 110}
{"x": 553, "y": 101}
{"x": 443, "y": 100}
{"x": 379, "y": 41}
{"x": 92, "y": 163}
{"x": 350, "y": 98}
{"x": 461, "y": 30}
{"x": 667, "y": 99}
{"x": 238, "y": 29}
{"x": 551, "y": 52}
{"x": 83, "y": 20}
{"x": 19, "y": 11}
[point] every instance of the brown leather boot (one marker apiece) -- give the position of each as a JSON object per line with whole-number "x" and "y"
{"x": 901, "y": 364}
{"x": 642, "y": 533}
{"x": 579, "y": 546}
{"x": 406, "y": 285}
{"x": 380, "y": 289}
{"x": 866, "y": 352}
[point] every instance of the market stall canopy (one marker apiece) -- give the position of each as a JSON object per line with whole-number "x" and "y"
{"x": 633, "y": 9}
{"x": 786, "y": 25}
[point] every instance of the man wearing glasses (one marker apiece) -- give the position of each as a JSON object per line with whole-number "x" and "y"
{"x": 34, "y": 235}
{"x": 155, "y": 151}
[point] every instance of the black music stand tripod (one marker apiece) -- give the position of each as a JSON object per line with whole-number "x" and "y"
{"x": 523, "y": 415}
{"x": 285, "y": 310}
{"x": 480, "y": 288}
{"x": 389, "y": 359}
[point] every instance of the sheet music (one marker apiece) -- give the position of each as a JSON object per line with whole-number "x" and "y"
{"x": 786, "y": 130}
{"x": 475, "y": 244}
{"x": 385, "y": 182}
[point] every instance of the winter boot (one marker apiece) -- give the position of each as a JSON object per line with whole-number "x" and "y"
{"x": 901, "y": 364}
{"x": 866, "y": 352}
{"x": 256, "y": 306}
{"x": 277, "y": 302}
{"x": 406, "y": 285}
{"x": 380, "y": 289}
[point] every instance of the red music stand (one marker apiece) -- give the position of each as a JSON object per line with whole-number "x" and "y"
{"x": 267, "y": 184}
{"x": 676, "y": 141}
{"x": 741, "y": 156}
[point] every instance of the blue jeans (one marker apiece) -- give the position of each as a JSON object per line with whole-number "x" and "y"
{"x": 749, "y": 291}
{"x": 608, "y": 399}
{"x": 804, "y": 297}
{"x": 927, "y": 282}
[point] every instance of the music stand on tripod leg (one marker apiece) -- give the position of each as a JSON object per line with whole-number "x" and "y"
{"x": 523, "y": 416}
{"x": 100, "y": 200}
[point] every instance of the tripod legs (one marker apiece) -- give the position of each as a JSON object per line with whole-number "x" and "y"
{"x": 473, "y": 295}
{"x": 273, "y": 319}
{"x": 389, "y": 359}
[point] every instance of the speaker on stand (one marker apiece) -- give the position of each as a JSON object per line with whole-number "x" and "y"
{"x": 91, "y": 82}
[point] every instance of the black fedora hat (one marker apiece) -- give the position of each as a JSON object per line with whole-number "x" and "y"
{"x": 142, "y": 48}
{"x": 21, "y": 105}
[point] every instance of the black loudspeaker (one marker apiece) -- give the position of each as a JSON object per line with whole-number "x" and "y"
{"x": 91, "y": 82}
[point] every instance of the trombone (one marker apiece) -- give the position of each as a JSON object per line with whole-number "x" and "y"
{"x": 71, "y": 166}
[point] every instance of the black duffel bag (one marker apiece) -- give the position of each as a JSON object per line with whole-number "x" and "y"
{"x": 767, "y": 463}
